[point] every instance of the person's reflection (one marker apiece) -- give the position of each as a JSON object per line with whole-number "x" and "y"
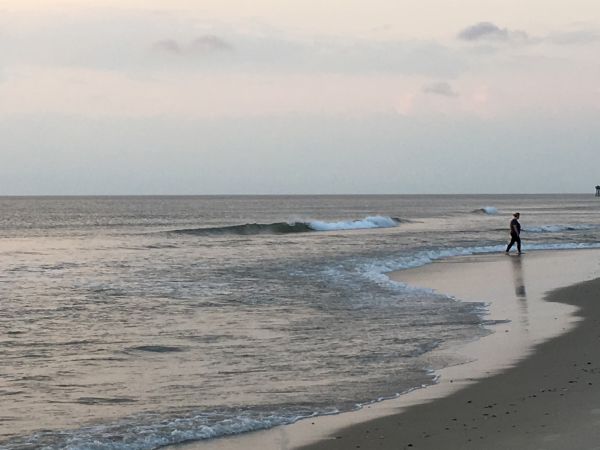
{"x": 519, "y": 279}
{"x": 520, "y": 292}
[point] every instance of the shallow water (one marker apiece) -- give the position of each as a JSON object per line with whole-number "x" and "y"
{"x": 134, "y": 322}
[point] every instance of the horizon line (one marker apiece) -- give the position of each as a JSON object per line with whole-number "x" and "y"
{"x": 445, "y": 194}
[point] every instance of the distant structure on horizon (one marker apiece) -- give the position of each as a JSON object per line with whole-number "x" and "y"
{"x": 597, "y": 191}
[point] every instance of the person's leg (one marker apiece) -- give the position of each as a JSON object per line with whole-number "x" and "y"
{"x": 519, "y": 244}
{"x": 512, "y": 241}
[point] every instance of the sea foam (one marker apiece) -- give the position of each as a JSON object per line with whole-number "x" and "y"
{"x": 366, "y": 223}
{"x": 559, "y": 228}
{"x": 149, "y": 434}
{"x": 377, "y": 271}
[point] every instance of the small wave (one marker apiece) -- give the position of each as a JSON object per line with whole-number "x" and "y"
{"x": 377, "y": 271}
{"x": 149, "y": 433}
{"x": 158, "y": 246}
{"x": 103, "y": 400}
{"x": 251, "y": 229}
{"x": 486, "y": 210}
{"x": 156, "y": 349}
{"x": 297, "y": 227}
{"x": 561, "y": 228}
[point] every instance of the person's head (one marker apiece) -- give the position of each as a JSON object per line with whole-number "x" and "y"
{"x": 516, "y": 215}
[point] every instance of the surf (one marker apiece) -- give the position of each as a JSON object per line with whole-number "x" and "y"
{"x": 491, "y": 210}
{"x": 369, "y": 222}
{"x": 560, "y": 228}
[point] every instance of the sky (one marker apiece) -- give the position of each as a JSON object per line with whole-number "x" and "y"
{"x": 299, "y": 97}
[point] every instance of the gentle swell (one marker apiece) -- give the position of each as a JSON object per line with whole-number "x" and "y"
{"x": 296, "y": 227}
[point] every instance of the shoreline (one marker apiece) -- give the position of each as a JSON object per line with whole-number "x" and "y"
{"x": 410, "y": 420}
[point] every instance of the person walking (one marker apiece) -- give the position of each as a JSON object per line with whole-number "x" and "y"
{"x": 515, "y": 233}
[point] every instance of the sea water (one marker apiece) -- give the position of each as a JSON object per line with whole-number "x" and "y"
{"x": 136, "y": 322}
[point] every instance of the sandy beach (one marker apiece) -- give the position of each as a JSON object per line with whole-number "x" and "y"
{"x": 534, "y": 383}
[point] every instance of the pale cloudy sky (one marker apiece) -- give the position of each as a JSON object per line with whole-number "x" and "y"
{"x": 328, "y": 96}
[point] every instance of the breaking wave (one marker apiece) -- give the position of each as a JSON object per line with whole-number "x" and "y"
{"x": 377, "y": 271}
{"x": 561, "y": 228}
{"x": 148, "y": 433}
{"x": 367, "y": 222}
{"x": 297, "y": 227}
{"x": 487, "y": 210}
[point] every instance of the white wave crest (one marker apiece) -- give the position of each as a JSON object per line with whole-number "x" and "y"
{"x": 559, "y": 228}
{"x": 489, "y": 210}
{"x": 377, "y": 271}
{"x": 366, "y": 223}
{"x": 159, "y": 433}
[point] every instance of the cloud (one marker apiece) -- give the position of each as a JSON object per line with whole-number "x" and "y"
{"x": 204, "y": 44}
{"x": 483, "y": 30}
{"x": 440, "y": 88}
{"x": 488, "y": 31}
{"x": 211, "y": 43}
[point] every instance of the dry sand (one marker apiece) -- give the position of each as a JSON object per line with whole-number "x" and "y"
{"x": 529, "y": 386}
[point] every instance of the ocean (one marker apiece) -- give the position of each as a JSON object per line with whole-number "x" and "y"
{"x": 130, "y": 323}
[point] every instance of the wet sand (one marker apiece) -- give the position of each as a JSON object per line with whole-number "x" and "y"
{"x": 532, "y": 384}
